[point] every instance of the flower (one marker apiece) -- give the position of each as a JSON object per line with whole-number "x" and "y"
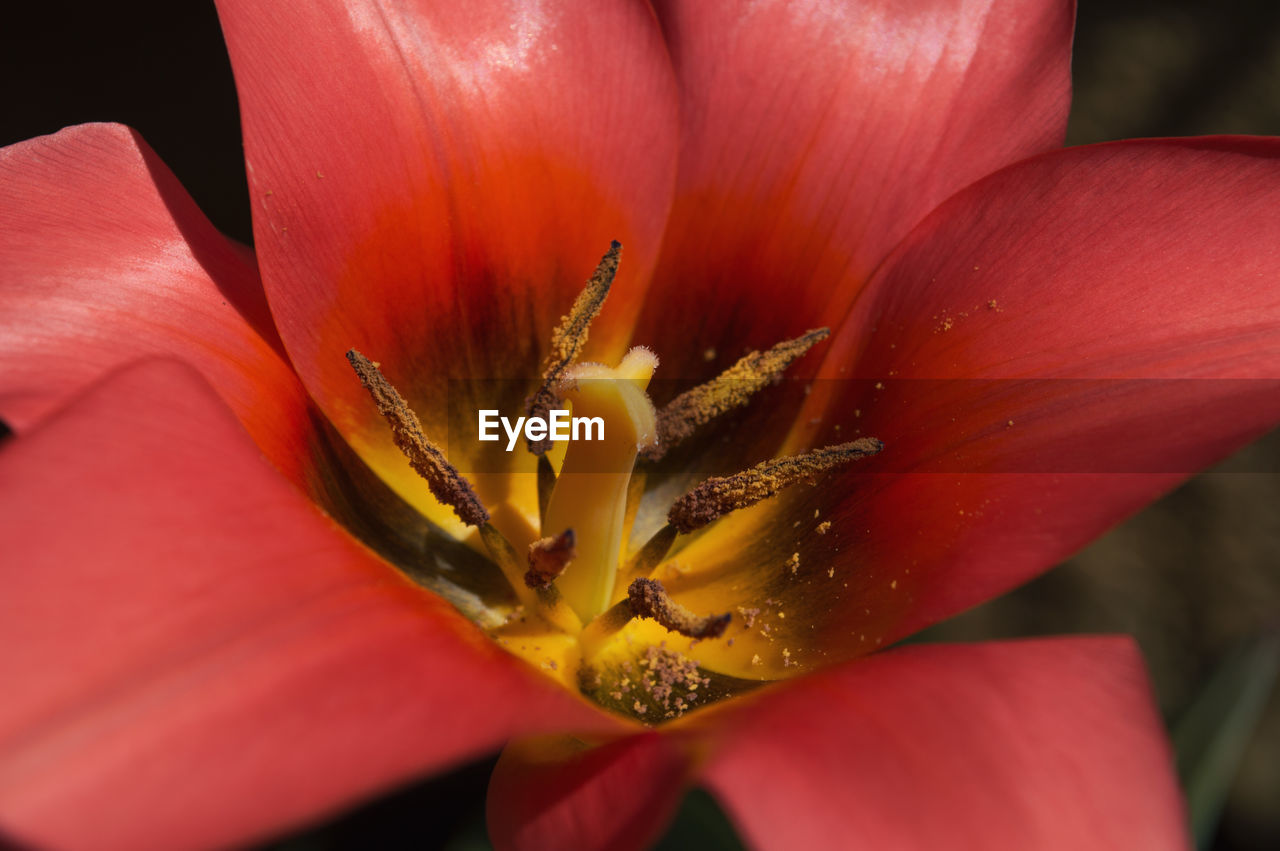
{"x": 203, "y": 657}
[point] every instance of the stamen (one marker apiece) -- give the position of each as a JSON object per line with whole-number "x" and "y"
{"x": 731, "y": 389}
{"x": 546, "y": 600}
{"x": 442, "y": 478}
{"x": 649, "y": 599}
{"x": 546, "y": 485}
{"x": 720, "y": 495}
{"x": 653, "y": 551}
{"x": 569, "y": 338}
{"x": 548, "y": 557}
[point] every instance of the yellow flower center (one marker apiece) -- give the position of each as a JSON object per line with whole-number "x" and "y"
{"x": 588, "y": 612}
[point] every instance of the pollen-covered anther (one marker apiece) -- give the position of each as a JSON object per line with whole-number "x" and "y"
{"x": 442, "y": 478}
{"x": 569, "y": 338}
{"x": 648, "y": 599}
{"x": 548, "y": 557}
{"x": 720, "y": 495}
{"x": 731, "y": 389}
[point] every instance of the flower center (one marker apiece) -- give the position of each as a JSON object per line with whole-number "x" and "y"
{"x": 578, "y": 591}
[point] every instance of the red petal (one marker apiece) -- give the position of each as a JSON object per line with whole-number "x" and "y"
{"x": 563, "y": 793}
{"x": 815, "y": 135}
{"x": 1050, "y": 744}
{"x": 433, "y": 183}
{"x": 1135, "y": 340}
{"x": 1153, "y": 262}
{"x": 193, "y": 656}
{"x": 106, "y": 259}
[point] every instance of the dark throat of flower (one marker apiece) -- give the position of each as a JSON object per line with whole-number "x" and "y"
{"x": 573, "y": 580}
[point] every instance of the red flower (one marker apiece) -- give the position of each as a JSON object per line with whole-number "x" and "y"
{"x": 195, "y": 655}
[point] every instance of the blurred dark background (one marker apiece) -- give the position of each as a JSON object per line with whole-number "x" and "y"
{"x": 1193, "y": 577}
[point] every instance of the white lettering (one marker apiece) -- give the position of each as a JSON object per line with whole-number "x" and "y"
{"x": 587, "y": 423}
{"x": 513, "y": 434}
{"x": 560, "y": 424}
{"x": 535, "y": 428}
{"x": 488, "y": 420}
{"x": 560, "y": 427}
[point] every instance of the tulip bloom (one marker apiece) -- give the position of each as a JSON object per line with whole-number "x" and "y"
{"x": 230, "y": 605}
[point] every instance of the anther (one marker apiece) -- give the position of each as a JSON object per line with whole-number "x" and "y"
{"x": 720, "y": 495}
{"x": 548, "y": 557}
{"x": 569, "y": 338}
{"x": 442, "y": 478}
{"x": 648, "y": 599}
{"x": 731, "y": 389}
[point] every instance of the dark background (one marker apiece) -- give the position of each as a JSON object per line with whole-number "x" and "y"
{"x": 1191, "y": 577}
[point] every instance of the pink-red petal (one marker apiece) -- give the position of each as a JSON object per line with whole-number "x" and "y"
{"x": 815, "y": 134}
{"x": 193, "y": 656}
{"x": 1050, "y": 744}
{"x": 1052, "y": 349}
{"x": 433, "y": 182}
{"x": 104, "y": 259}
{"x": 561, "y": 792}
{"x": 1055, "y": 347}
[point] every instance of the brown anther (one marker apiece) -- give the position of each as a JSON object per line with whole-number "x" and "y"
{"x": 720, "y": 495}
{"x": 548, "y": 557}
{"x": 648, "y": 599}
{"x": 569, "y": 338}
{"x": 443, "y": 479}
{"x": 731, "y": 389}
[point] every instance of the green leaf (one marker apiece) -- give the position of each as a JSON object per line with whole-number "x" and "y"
{"x": 1212, "y": 735}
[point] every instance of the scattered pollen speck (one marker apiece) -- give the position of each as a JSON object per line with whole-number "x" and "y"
{"x": 831, "y": 573}
{"x": 893, "y": 584}
{"x": 879, "y": 385}
{"x": 710, "y": 354}
{"x": 794, "y": 563}
{"x": 824, "y": 527}
{"x": 756, "y": 660}
{"x": 1009, "y": 423}
{"x": 319, "y": 176}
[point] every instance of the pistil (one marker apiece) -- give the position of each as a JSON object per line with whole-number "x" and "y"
{"x": 590, "y": 494}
